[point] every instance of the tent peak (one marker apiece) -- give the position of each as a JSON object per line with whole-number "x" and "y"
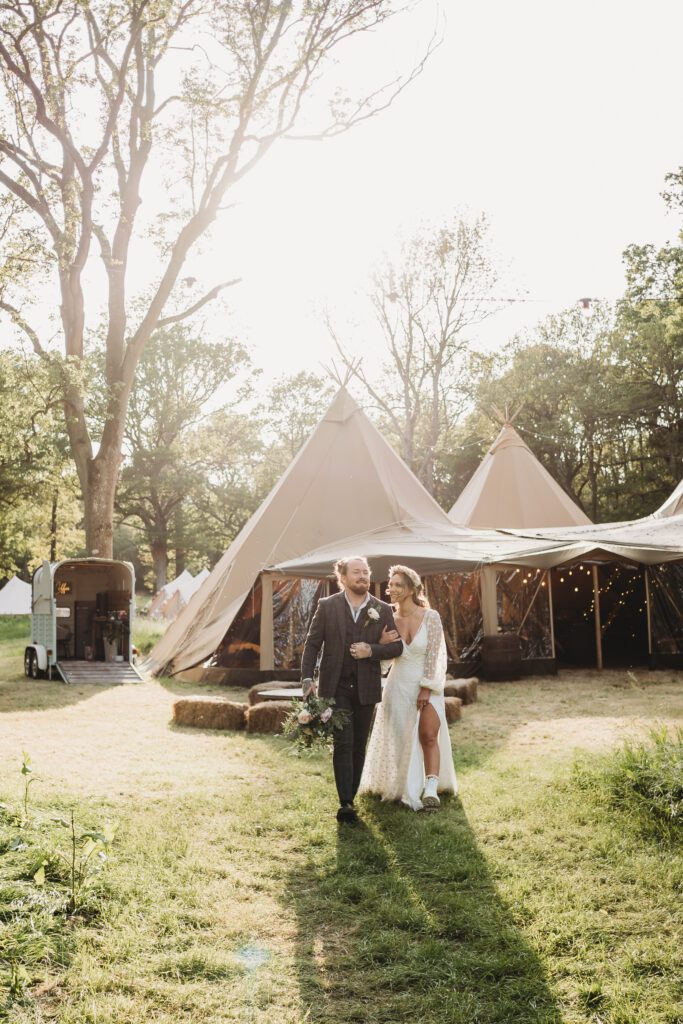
{"x": 342, "y": 407}
{"x": 508, "y": 437}
{"x": 342, "y": 377}
{"x": 505, "y": 418}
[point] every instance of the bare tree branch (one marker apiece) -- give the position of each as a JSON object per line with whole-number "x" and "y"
{"x": 191, "y": 310}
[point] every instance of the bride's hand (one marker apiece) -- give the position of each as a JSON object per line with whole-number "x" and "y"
{"x": 389, "y": 635}
{"x": 423, "y": 698}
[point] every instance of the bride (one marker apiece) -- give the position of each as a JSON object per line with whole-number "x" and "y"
{"x": 409, "y": 756}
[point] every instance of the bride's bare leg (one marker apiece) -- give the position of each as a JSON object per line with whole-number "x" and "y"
{"x": 429, "y": 739}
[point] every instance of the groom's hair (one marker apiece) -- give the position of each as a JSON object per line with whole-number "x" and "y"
{"x": 342, "y": 564}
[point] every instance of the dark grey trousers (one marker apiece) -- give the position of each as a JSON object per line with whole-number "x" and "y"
{"x": 351, "y": 741}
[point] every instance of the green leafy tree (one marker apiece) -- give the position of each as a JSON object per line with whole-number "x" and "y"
{"x": 649, "y": 349}
{"x": 291, "y": 410}
{"x": 39, "y": 509}
{"x": 230, "y": 460}
{"x": 178, "y": 375}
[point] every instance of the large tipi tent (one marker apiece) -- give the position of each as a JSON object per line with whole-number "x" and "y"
{"x": 511, "y": 489}
{"x": 15, "y": 597}
{"x": 345, "y": 481}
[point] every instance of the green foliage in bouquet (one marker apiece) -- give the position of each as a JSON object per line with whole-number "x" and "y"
{"x": 313, "y": 722}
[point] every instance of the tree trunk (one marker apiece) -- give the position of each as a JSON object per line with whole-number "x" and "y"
{"x": 159, "y": 549}
{"x": 179, "y": 540}
{"x": 53, "y": 527}
{"x": 103, "y": 474}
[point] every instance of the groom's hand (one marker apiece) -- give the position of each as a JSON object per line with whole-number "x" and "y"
{"x": 360, "y": 650}
{"x": 307, "y": 687}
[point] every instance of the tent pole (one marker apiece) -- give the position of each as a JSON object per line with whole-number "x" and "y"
{"x": 267, "y": 656}
{"x": 598, "y": 626}
{"x": 550, "y": 609}
{"x": 648, "y": 611}
{"x": 489, "y": 602}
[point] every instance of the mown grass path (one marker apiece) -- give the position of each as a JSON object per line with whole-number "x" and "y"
{"x": 233, "y": 896}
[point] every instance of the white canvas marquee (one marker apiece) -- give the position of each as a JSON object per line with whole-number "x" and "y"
{"x": 348, "y": 492}
{"x": 15, "y": 597}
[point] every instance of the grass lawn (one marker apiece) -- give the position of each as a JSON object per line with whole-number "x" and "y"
{"x": 231, "y": 895}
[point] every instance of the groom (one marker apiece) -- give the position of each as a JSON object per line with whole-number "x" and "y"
{"x": 348, "y": 627}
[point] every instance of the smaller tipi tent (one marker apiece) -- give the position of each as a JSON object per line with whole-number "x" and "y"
{"x": 15, "y": 597}
{"x": 186, "y": 586}
{"x": 182, "y": 584}
{"x": 512, "y": 490}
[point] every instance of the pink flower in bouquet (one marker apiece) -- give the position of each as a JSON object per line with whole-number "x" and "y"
{"x": 304, "y": 717}
{"x": 326, "y": 715}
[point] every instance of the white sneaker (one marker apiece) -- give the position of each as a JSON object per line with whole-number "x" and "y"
{"x": 429, "y": 797}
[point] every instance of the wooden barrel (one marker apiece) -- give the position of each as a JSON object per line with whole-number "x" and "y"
{"x": 501, "y": 657}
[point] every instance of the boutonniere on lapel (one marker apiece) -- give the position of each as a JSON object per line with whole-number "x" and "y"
{"x": 371, "y": 615}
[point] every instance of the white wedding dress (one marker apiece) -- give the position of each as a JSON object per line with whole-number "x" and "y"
{"x": 394, "y": 764}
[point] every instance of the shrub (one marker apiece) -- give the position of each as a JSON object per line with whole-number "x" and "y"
{"x": 644, "y": 781}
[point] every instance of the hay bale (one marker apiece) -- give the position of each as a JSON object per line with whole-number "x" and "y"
{"x": 209, "y": 713}
{"x": 267, "y": 716}
{"x": 264, "y": 687}
{"x": 465, "y": 689}
{"x": 453, "y": 709}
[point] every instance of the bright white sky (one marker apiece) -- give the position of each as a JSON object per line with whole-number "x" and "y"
{"x": 558, "y": 120}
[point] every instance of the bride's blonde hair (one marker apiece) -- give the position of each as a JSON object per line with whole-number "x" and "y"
{"x": 413, "y": 581}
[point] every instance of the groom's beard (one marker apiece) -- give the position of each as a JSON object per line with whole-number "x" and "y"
{"x": 359, "y": 588}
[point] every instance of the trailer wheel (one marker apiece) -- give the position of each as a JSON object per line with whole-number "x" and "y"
{"x": 35, "y": 670}
{"x": 29, "y": 656}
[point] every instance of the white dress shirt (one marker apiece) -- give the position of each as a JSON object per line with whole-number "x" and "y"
{"x": 359, "y": 608}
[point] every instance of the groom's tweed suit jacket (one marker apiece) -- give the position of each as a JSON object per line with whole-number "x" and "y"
{"x": 329, "y": 631}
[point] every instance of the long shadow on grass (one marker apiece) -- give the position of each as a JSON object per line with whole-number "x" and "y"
{"x": 403, "y": 923}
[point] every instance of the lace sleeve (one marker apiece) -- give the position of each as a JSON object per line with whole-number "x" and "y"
{"x": 434, "y": 674}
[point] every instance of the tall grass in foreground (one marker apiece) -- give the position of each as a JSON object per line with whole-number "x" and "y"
{"x": 644, "y": 782}
{"x": 50, "y": 888}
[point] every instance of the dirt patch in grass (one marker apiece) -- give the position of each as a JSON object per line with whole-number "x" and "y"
{"x": 120, "y": 740}
{"x": 114, "y": 741}
{"x": 572, "y": 711}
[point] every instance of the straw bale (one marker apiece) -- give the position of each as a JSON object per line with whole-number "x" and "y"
{"x": 267, "y": 716}
{"x": 453, "y": 709}
{"x": 264, "y": 687}
{"x": 209, "y": 713}
{"x": 465, "y": 689}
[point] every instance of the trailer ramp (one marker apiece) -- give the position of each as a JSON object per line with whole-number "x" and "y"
{"x": 107, "y": 673}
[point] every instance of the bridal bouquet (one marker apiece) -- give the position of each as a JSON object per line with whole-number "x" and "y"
{"x": 312, "y": 722}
